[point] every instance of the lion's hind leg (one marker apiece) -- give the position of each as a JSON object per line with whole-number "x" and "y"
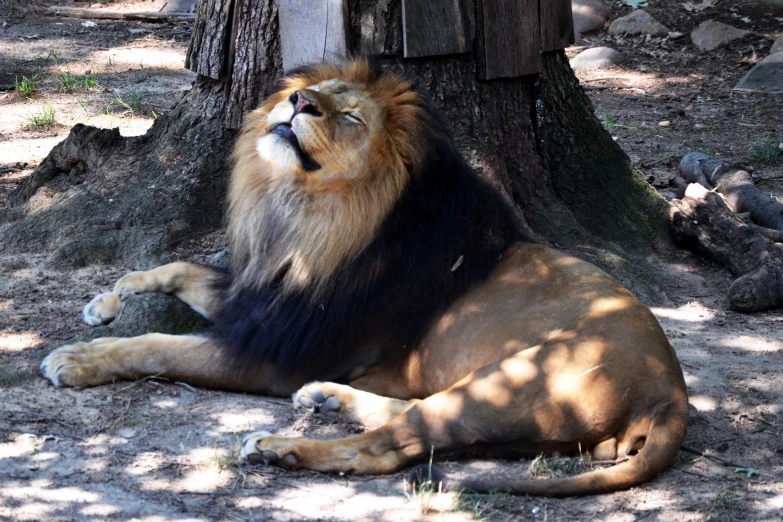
{"x": 366, "y": 408}
{"x": 190, "y": 283}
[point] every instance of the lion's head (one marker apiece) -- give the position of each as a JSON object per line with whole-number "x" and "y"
{"x": 352, "y": 214}
{"x": 318, "y": 167}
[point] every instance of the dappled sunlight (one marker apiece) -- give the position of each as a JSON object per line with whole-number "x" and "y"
{"x": 751, "y": 343}
{"x": 692, "y": 312}
{"x": 608, "y": 305}
{"x": 249, "y": 419}
{"x": 17, "y": 341}
{"x": 139, "y": 57}
{"x": 703, "y": 402}
{"x": 40, "y": 499}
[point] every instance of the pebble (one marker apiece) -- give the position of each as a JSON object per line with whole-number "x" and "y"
{"x": 710, "y": 35}
{"x": 665, "y": 123}
{"x": 596, "y": 58}
{"x": 589, "y": 15}
{"x": 638, "y": 22}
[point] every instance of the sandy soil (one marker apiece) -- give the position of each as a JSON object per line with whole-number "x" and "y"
{"x": 156, "y": 450}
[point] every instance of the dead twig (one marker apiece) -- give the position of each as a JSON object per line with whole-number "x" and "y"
{"x": 47, "y": 434}
{"x": 721, "y": 460}
{"x": 717, "y": 442}
{"x": 700, "y": 475}
{"x": 110, "y": 14}
{"x": 38, "y": 418}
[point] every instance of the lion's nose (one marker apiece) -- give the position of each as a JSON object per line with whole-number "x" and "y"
{"x": 302, "y": 103}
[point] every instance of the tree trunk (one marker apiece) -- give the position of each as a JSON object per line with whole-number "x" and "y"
{"x": 535, "y": 137}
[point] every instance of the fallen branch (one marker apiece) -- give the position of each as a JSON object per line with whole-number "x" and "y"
{"x": 736, "y": 185}
{"x": 110, "y": 14}
{"x": 769, "y": 233}
{"x": 703, "y": 219}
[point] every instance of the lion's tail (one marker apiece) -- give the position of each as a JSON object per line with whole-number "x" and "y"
{"x": 667, "y": 430}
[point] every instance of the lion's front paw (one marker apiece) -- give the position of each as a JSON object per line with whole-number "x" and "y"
{"x": 80, "y": 364}
{"x": 134, "y": 283}
{"x": 253, "y": 451}
{"x": 102, "y": 309}
{"x": 321, "y": 397}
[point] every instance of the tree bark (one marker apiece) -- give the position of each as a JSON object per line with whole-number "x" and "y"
{"x": 535, "y": 137}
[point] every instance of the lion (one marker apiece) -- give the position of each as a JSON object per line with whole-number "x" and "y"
{"x": 375, "y": 276}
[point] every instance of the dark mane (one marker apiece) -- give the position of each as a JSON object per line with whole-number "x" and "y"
{"x": 385, "y": 299}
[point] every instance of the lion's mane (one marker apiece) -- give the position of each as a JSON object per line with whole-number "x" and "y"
{"x": 311, "y": 286}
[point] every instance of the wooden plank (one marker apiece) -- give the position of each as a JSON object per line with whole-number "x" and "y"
{"x": 509, "y": 38}
{"x": 436, "y": 27}
{"x": 209, "y": 46}
{"x": 557, "y": 24}
{"x": 312, "y": 31}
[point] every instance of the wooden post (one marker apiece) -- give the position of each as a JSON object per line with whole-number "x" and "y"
{"x": 557, "y": 24}
{"x": 509, "y": 41}
{"x": 312, "y": 31}
{"x": 436, "y": 27}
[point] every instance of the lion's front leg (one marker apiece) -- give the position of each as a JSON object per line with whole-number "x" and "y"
{"x": 193, "y": 359}
{"x": 192, "y": 284}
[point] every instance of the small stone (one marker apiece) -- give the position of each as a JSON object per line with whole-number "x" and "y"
{"x": 126, "y": 433}
{"x": 638, "y": 22}
{"x": 777, "y": 47}
{"x": 710, "y": 35}
{"x": 596, "y": 58}
{"x": 589, "y": 15}
{"x": 766, "y": 76}
{"x": 675, "y": 35}
{"x": 665, "y": 123}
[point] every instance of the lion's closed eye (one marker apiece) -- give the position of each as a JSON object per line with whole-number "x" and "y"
{"x": 354, "y": 117}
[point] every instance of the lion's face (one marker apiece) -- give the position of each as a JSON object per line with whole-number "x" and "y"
{"x": 318, "y": 167}
{"x": 324, "y": 130}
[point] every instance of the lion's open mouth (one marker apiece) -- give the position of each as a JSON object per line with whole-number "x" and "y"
{"x": 285, "y": 131}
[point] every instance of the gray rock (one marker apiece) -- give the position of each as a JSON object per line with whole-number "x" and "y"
{"x": 589, "y": 15}
{"x": 638, "y": 22}
{"x": 175, "y": 6}
{"x": 596, "y": 58}
{"x": 766, "y": 76}
{"x": 777, "y": 47}
{"x": 711, "y": 34}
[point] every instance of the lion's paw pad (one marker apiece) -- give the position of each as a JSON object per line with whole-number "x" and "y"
{"x": 102, "y": 309}
{"x": 317, "y": 402}
{"x": 252, "y": 453}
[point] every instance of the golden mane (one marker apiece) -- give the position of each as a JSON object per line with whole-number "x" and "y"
{"x": 295, "y": 223}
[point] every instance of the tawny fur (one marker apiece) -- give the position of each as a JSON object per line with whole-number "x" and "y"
{"x": 325, "y": 220}
{"x": 532, "y": 351}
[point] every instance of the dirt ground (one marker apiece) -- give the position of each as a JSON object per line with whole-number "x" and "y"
{"x": 156, "y": 450}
